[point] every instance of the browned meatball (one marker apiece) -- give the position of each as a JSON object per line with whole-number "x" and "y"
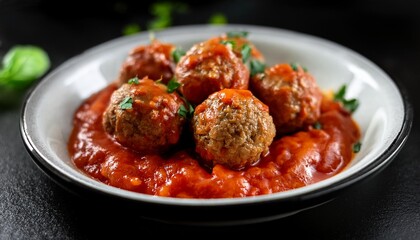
{"x": 233, "y": 128}
{"x": 292, "y": 95}
{"x": 239, "y": 41}
{"x": 144, "y": 116}
{"x": 154, "y": 61}
{"x": 208, "y": 67}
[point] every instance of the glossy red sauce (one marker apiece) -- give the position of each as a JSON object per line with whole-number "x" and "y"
{"x": 294, "y": 161}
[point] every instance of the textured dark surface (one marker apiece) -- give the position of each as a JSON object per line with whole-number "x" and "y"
{"x": 384, "y": 206}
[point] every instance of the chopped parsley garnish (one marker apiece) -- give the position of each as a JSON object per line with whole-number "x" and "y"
{"x": 317, "y": 125}
{"x": 228, "y": 42}
{"x": 218, "y": 19}
{"x": 177, "y": 54}
{"x": 184, "y": 112}
{"x": 356, "y": 147}
{"x": 349, "y": 104}
{"x": 294, "y": 66}
{"x": 237, "y": 34}
{"x": 256, "y": 67}
{"x": 134, "y": 80}
{"x": 245, "y": 52}
{"x": 127, "y": 103}
{"x": 173, "y": 85}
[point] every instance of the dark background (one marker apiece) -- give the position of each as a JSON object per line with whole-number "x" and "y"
{"x": 384, "y": 206}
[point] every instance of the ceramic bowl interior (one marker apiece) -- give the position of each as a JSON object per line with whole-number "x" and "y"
{"x": 382, "y": 115}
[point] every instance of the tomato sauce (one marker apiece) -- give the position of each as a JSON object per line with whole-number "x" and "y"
{"x": 293, "y": 161}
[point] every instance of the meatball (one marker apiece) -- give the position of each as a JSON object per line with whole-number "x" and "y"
{"x": 154, "y": 61}
{"x": 208, "y": 67}
{"x": 292, "y": 95}
{"x": 143, "y": 116}
{"x": 239, "y": 41}
{"x": 232, "y": 128}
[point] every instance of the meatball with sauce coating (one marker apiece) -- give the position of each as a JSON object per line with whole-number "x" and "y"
{"x": 143, "y": 116}
{"x": 292, "y": 95}
{"x": 153, "y": 60}
{"x": 232, "y": 128}
{"x": 239, "y": 41}
{"x": 208, "y": 67}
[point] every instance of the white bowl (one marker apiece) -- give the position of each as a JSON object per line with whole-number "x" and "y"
{"x": 384, "y": 116}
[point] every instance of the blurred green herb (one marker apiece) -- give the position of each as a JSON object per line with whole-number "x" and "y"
{"x": 134, "y": 80}
{"x": 184, "y": 112}
{"x": 162, "y": 14}
{"x": 350, "y": 104}
{"x": 173, "y": 85}
{"x": 317, "y": 125}
{"x": 218, "y": 19}
{"x": 127, "y": 103}
{"x": 131, "y": 28}
{"x": 356, "y": 147}
{"x": 22, "y": 65}
{"x": 294, "y": 66}
{"x": 256, "y": 67}
{"x": 177, "y": 54}
{"x": 237, "y": 34}
{"x": 226, "y": 42}
{"x": 245, "y": 52}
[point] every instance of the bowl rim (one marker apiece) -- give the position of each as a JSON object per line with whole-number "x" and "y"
{"x": 379, "y": 163}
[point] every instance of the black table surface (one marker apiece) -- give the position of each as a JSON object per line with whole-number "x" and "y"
{"x": 383, "y": 206}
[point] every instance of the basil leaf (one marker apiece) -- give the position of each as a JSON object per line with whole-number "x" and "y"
{"x": 23, "y": 64}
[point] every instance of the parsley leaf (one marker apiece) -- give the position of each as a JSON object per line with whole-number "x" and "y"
{"x": 177, "y": 54}
{"x": 245, "y": 52}
{"x": 127, "y": 103}
{"x": 227, "y": 42}
{"x": 173, "y": 85}
{"x": 256, "y": 67}
{"x": 134, "y": 80}
{"x": 294, "y": 66}
{"x": 317, "y": 125}
{"x": 350, "y": 104}
{"x": 237, "y": 34}
{"x": 356, "y": 147}
{"x": 184, "y": 112}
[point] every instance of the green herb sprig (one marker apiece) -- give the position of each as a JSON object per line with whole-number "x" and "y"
{"x": 246, "y": 52}
{"x": 317, "y": 125}
{"x": 134, "y": 80}
{"x": 173, "y": 85}
{"x": 349, "y": 104}
{"x": 356, "y": 147}
{"x": 177, "y": 54}
{"x": 184, "y": 112}
{"x": 237, "y": 34}
{"x": 127, "y": 103}
{"x": 256, "y": 67}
